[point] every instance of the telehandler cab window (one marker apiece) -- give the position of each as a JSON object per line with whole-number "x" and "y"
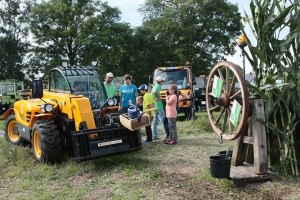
{"x": 58, "y": 82}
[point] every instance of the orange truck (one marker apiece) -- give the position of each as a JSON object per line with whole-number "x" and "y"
{"x": 185, "y": 80}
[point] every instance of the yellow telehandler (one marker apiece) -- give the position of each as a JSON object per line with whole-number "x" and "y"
{"x": 72, "y": 112}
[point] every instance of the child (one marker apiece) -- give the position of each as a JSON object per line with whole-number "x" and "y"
{"x": 171, "y": 113}
{"x": 148, "y": 102}
{"x": 179, "y": 93}
{"x": 139, "y": 102}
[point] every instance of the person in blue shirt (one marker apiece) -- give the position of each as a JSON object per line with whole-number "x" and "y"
{"x": 128, "y": 93}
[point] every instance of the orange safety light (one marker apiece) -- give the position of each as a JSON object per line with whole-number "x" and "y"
{"x": 242, "y": 41}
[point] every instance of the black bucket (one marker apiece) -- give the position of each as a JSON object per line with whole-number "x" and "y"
{"x": 220, "y": 166}
{"x": 226, "y": 153}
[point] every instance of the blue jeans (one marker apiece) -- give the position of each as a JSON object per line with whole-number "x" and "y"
{"x": 158, "y": 115}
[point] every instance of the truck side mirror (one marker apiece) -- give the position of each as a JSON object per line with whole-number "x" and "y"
{"x": 37, "y": 89}
{"x": 193, "y": 79}
{"x": 151, "y": 79}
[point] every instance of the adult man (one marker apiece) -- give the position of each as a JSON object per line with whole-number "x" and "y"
{"x": 128, "y": 93}
{"x": 109, "y": 86}
{"x": 159, "y": 114}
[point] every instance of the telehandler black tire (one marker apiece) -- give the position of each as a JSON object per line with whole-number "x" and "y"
{"x": 46, "y": 142}
{"x": 11, "y": 131}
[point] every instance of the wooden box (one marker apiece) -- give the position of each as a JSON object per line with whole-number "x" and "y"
{"x": 134, "y": 124}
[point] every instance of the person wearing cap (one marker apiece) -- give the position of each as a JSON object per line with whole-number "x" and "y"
{"x": 128, "y": 93}
{"x": 159, "y": 114}
{"x": 109, "y": 86}
{"x": 148, "y": 103}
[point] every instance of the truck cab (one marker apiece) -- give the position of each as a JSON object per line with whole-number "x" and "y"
{"x": 185, "y": 80}
{"x": 10, "y": 93}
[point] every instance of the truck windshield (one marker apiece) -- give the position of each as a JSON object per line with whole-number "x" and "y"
{"x": 179, "y": 76}
{"x": 8, "y": 88}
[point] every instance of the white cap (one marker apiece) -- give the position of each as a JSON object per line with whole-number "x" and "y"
{"x": 159, "y": 78}
{"x": 109, "y": 74}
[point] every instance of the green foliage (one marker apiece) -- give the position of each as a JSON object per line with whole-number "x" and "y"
{"x": 78, "y": 32}
{"x": 275, "y": 57}
{"x": 83, "y": 31}
{"x": 199, "y": 31}
{"x": 13, "y": 46}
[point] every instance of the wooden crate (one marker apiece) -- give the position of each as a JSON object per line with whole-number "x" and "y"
{"x": 134, "y": 124}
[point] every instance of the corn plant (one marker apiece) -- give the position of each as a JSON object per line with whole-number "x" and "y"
{"x": 275, "y": 57}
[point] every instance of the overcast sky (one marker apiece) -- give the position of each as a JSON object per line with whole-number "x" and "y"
{"x": 130, "y": 14}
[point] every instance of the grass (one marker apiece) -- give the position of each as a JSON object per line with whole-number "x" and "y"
{"x": 1, "y": 123}
{"x": 158, "y": 171}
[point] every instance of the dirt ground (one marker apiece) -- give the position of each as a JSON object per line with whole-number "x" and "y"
{"x": 181, "y": 177}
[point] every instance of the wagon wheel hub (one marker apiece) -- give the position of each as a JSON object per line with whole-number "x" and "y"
{"x": 224, "y": 101}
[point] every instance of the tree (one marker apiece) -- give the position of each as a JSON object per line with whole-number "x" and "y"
{"x": 13, "y": 46}
{"x": 79, "y": 32}
{"x": 144, "y": 54}
{"x": 199, "y": 31}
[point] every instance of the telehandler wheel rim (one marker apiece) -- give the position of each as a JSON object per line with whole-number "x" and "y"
{"x": 12, "y": 131}
{"x": 36, "y": 144}
{"x": 233, "y": 89}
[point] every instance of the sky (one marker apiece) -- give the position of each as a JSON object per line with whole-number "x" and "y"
{"x": 131, "y": 15}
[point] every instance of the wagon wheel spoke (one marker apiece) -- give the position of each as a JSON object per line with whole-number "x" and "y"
{"x": 227, "y": 84}
{"x": 222, "y": 78}
{"x": 221, "y": 114}
{"x": 235, "y": 95}
{"x": 225, "y": 121}
{"x": 232, "y": 85}
{"x": 214, "y": 108}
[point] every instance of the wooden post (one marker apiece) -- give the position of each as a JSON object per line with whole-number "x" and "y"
{"x": 259, "y": 138}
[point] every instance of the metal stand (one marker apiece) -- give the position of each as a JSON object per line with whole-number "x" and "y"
{"x": 251, "y": 147}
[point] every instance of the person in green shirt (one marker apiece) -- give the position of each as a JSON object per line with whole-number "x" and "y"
{"x": 159, "y": 114}
{"x": 109, "y": 86}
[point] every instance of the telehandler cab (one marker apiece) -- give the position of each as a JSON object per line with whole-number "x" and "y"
{"x": 61, "y": 116}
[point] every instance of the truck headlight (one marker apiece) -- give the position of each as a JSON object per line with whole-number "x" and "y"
{"x": 46, "y": 108}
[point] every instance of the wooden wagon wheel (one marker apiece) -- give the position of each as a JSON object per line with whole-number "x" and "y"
{"x": 219, "y": 109}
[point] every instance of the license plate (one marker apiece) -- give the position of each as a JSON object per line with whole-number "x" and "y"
{"x": 202, "y": 102}
{"x": 102, "y": 144}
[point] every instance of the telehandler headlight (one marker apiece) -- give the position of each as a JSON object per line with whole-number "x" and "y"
{"x": 46, "y": 108}
{"x": 111, "y": 102}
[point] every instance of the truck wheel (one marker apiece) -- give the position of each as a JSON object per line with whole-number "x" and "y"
{"x": 189, "y": 113}
{"x": 11, "y": 131}
{"x": 46, "y": 142}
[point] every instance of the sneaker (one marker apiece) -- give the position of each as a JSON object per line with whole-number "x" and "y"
{"x": 167, "y": 141}
{"x": 146, "y": 141}
{"x": 173, "y": 142}
{"x": 166, "y": 138}
{"x": 155, "y": 138}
